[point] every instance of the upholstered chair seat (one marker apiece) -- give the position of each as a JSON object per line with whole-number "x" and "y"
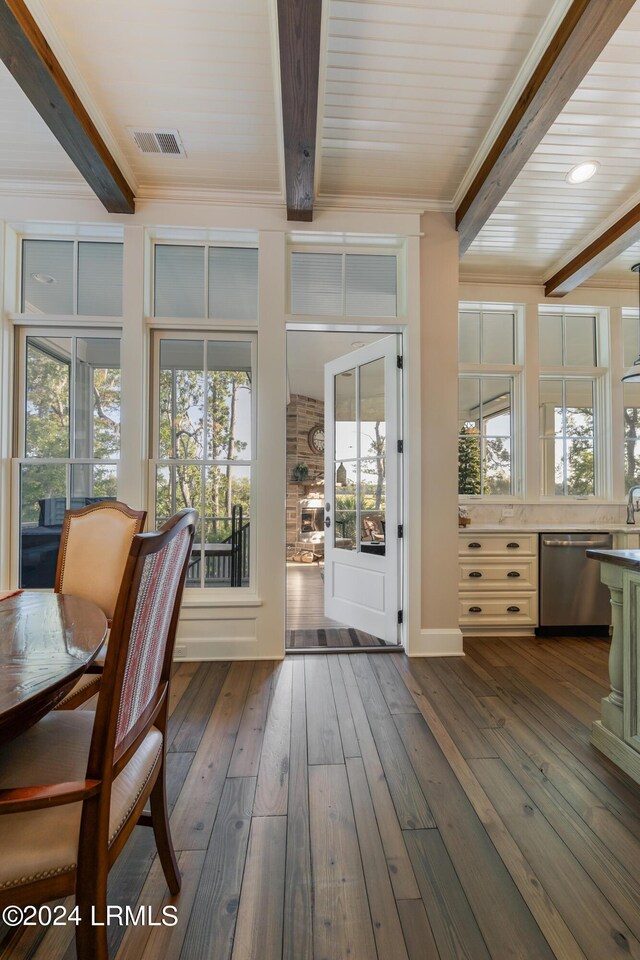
{"x": 44, "y": 843}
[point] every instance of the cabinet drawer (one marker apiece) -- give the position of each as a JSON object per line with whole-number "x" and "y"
{"x": 509, "y": 544}
{"x": 518, "y": 610}
{"x": 515, "y": 574}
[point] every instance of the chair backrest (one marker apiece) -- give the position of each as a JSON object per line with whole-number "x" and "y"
{"x": 94, "y": 546}
{"x": 138, "y": 663}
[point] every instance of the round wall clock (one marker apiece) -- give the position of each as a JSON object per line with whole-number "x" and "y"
{"x": 316, "y": 439}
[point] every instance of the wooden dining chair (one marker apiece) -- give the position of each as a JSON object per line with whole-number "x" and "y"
{"x": 73, "y": 786}
{"x": 94, "y": 545}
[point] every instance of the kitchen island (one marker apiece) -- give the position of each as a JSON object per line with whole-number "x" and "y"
{"x": 617, "y": 733}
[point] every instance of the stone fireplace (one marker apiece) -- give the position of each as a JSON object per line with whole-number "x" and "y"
{"x": 303, "y": 413}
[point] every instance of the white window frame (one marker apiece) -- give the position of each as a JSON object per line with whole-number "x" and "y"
{"x": 222, "y": 322}
{"x": 59, "y": 318}
{"x": 22, "y": 333}
{"x": 516, "y": 371}
{"x": 601, "y": 377}
{"x": 206, "y": 595}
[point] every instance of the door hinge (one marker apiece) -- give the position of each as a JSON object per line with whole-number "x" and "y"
{"x": 400, "y": 616}
{"x": 400, "y": 531}
{"x": 400, "y": 362}
{"x": 400, "y": 446}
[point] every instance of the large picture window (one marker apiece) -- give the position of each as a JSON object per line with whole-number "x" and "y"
{"x": 567, "y": 425}
{"x": 204, "y": 449}
{"x": 485, "y": 436}
{"x": 69, "y": 438}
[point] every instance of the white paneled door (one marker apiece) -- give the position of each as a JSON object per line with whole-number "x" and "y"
{"x": 362, "y": 489}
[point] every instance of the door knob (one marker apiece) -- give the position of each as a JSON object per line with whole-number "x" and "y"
{"x": 327, "y": 522}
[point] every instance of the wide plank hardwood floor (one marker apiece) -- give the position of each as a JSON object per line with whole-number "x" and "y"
{"x": 372, "y": 807}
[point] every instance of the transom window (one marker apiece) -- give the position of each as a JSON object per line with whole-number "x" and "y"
{"x": 568, "y": 340}
{"x": 487, "y": 337}
{"x": 344, "y": 284}
{"x": 68, "y": 277}
{"x": 197, "y": 281}
{"x": 204, "y": 448}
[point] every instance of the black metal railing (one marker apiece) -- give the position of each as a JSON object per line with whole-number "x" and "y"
{"x": 228, "y": 569}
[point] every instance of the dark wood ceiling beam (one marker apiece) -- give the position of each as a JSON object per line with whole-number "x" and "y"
{"x": 31, "y": 62}
{"x": 299, "y": 25}
{"x": 609, "y": 245}
{"x": 579, "y": 40}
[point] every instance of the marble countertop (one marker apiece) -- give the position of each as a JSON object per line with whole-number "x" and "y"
{"x": 621, "y": 558}
{"x": 550, "y": 528}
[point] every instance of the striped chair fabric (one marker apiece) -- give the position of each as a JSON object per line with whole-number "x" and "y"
{"x": 154, "y": 608}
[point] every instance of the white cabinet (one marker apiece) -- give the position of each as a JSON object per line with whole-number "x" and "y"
{"x": 498, "y": 582}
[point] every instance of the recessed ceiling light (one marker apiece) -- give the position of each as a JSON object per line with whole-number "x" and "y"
{"x": 43, "y": 278}
{"x": 358, "y": 343}
{"x": 582, "y": 172}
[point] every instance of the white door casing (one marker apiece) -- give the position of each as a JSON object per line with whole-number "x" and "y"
{"x": 362, "y": 489}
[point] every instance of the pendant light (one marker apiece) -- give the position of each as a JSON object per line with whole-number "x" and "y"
{"x": 341, "y": 473}
{"x": 633, "y": 373}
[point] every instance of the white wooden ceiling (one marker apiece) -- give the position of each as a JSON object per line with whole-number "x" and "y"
{"x": 411, "y": 92}
{"x": 543, "y": 220}
{"x": 411, "y": 89}
{"x": 29, "y": 153}
{"x": 204, "y": 67}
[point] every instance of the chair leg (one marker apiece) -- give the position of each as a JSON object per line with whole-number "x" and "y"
{"x": 162, "y": 833}
{"x": 91, "y": 932}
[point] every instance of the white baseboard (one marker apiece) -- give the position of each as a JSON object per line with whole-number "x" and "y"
{"x": 224, "y": 648}
{"x": 433, "y": 642}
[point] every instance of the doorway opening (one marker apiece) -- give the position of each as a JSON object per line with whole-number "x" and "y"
{"x": 344, "y": 490}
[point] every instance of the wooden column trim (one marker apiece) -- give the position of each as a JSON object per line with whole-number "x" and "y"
{"x": 299, "y": 28}
{"x": 33, "y": 65}
{"x": 579, "y": 40}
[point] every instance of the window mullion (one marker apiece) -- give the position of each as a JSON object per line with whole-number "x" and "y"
{"x": 205, "y": 447}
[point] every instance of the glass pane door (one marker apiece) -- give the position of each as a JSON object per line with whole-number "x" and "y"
{"x": 360, "y": 459}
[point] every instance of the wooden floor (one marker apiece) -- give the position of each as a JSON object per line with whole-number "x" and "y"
{"x": 371, "y": 807}
{"x": 307, "y": 625}
{"x": 325, "y": 637}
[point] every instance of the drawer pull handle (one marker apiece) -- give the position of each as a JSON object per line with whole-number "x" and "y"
{"x": 474, "y": 546}
{"x": 475, "y": 573}
{"x": 513, "y": 546}
{"x": 513, "y": 573}
{"x": 475, "y": 609}
{"x": 513, "y": 609}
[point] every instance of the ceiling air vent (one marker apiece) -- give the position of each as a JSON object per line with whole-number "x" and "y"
{"x": 167, "y": 142}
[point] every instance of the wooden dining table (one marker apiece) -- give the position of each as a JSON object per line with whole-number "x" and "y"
{"x": 47, "y": 641}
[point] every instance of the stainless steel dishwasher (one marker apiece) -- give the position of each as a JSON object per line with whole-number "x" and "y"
{"x": 571, "y": 594}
